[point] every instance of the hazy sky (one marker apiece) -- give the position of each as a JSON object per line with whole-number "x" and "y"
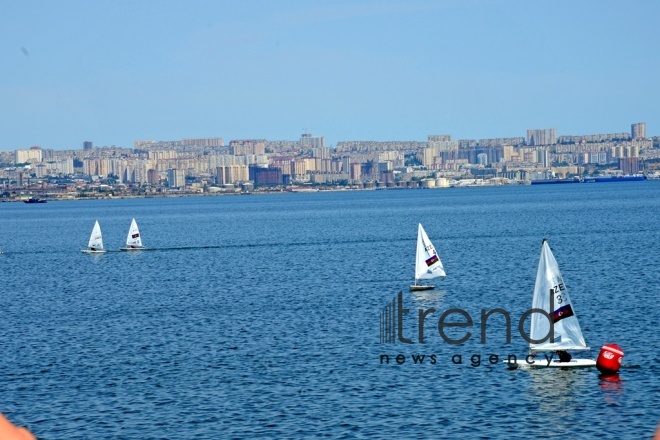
{"x": 116, "y": 71}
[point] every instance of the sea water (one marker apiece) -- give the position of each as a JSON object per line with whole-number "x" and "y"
{"x": 259, "y": 315}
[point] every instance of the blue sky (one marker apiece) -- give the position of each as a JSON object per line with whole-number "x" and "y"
{"x": 114, "y": 72}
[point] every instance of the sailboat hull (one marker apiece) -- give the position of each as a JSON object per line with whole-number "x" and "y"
{"x": 130, "y": 249}
{"x": 543, "y": 363}
{"x": 97, "y": 251}
{"x": 417, "y": 288}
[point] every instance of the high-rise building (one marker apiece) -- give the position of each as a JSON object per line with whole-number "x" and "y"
{"x": 163, "y": 154}
{"x": 153, "y": 177}
{"x": 638, "y": 130}
{"x": 356, "y": 171}
{"x": 63, "y": 166}
{"x": 265, "y": 176}
{"x": 346, "y": 164}
{"x": 229, "y": 174}
{"x": 140, "y": 171}
{"x": 442, "y": 142}
{"x": 507, "y": 152}
{"x": 543, "y": 158}
{"x": 40, "y": 170}
{"x": 176, "y": 178}
{"x": 298, "y": 169}
{"x": 247, "y": 146}
{"x": 307, "y": 140}
{"x": 629, "y": 165}
{"x": 494, "y": 142}
{"x": 321, "y": 152}
{"x": 204, "y": 142}
{"x": 439, "y": 138}
{"x": 386, "y": 177}
{"x": 546, "y": 136}
{"x": 91, "y": 167}
{"x": 427, "y": 157}
{"x": 33, "y": 155}
{"x": 87, "y": 145}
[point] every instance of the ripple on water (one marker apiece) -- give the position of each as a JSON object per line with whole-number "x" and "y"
{"x": 264, "y": 320}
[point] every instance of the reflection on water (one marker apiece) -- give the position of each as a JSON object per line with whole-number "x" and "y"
{"x": 267, "y": 307}
{"x": 612, "y": 386}
{"x": 555, "y": 392}
{"x": 428, "y": 298}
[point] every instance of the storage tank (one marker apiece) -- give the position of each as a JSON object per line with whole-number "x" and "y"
{"x": 441, "y": 182}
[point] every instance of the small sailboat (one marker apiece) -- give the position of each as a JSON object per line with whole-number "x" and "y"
{"x": 95, "y": 245}
{"x": 427, "y": 262}
{"x": 133, "y": 240}
{"x": 551, "y": 295}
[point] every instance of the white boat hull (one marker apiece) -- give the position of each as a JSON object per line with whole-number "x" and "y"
{"x": 417, "y": 288}
{"x": 129, "y": 249}
{"x": 95, "y": 251}
{"x": 541, "y": 362}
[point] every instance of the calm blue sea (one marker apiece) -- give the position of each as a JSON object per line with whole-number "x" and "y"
{"x": 258, "y": 316}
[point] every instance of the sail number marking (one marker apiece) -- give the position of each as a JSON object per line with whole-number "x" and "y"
{"x": 557, "y": 290}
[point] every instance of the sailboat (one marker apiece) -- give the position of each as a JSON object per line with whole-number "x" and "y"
{"x": 95, "y": 245}
{"x": 133, "y": 240}
{"x": 551, "y": 295}
{"x": 427, "y": 262}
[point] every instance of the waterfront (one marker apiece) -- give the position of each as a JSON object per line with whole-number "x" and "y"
{"x": 259, "y": 315}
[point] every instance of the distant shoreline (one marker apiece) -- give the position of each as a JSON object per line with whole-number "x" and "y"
{"x": 283, "y": 191}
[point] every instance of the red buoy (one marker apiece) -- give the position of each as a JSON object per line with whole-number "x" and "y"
{"x": 609, "y": 359}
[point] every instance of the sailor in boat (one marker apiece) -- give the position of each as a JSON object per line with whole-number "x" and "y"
{"x": 564, "y": 356}
{"x": 92, "y": 248}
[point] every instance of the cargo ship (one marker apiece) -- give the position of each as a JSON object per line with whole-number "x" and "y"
{"x": 631, "y": 178}
{"x": 34, "y": 200}
{"x": 556, "y": 181}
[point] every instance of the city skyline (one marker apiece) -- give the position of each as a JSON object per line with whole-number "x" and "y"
{"x": 381, "y": 71}
{"x": 637, "y": 130}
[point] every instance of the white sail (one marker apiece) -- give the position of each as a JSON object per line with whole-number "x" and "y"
{"x": 133, "y": 240}
{"x": 96, "y": 239}
{"x": 427, "y": 261}
{"x": 551, "y": 295}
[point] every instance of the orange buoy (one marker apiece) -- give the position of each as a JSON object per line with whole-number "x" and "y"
{"x": 609, "y": 359}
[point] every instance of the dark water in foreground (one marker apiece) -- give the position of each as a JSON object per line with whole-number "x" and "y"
{"x": 259, "y": 316}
